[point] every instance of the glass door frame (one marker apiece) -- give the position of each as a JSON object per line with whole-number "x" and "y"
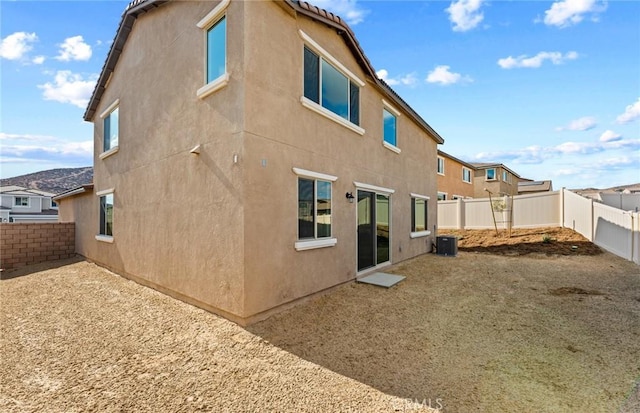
{"x": 376, "y": 190}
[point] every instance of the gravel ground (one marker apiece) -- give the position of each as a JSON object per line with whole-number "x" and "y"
{"x": 78, "y": 338}
{"x": 474, "y": 333}
{"x": 483, "y": 333}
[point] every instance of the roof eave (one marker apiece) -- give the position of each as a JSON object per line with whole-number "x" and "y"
{"x": 129, "y": 16}
{"x": 73, "y": 192}
{"x": 347, "y": 34}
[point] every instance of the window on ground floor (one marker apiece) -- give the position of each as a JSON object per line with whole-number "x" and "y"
{"x": 106, "y": 215}
{"x": 418, "y": 214}
{"x": 314, "y": 209}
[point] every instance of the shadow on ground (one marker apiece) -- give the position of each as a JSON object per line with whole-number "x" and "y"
{"x": 480, "y": 332}
{"x": 43, "y": 266}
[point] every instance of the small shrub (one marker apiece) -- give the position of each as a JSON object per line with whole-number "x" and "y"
{"x": 546, "y": 239}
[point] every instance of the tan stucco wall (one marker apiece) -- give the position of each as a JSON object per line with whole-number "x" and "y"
{"x": 83, "y": 209}
{"x": 218, "y": 233}
{"x": 451, "y": 182}
{"x": 294, "y": 136}
{"x": 497, "y": 186}
{"x": 177, "y": 216}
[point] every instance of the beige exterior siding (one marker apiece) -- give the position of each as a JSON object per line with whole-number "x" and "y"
{"x": 497, "y": 186}
{"x": 451, "y": 181}
{"x": 218, "y": 229}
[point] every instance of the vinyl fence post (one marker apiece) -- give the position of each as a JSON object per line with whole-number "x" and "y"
{"x": 593, "y": 225}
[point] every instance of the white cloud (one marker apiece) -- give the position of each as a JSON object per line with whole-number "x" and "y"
{"x": 465, "y": 14}
{"x": 536, "y": 61}
{"x": 569, "y": 12}
{"x": 538, "y": 154}
{"x": 616, "y": 162}
{"x": 610, "y": 136}
{"x": 74, "y": 48}
{"x": 349, "y": 10}
{"x": 581, "y": 124}
{"x": 409, "y": 79}
{"x": 15, "y": 46}
{"x": 442, "y": 75}
{"x": 631, "y": 113}
{"x": 38, "y": 60}
{"x": 68, "y": 87}
{"x": 26, "y": 148}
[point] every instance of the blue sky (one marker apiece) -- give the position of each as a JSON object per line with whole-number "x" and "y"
{"x": 550, "y": 89}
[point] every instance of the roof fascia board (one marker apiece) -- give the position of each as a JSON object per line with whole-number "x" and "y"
{"x": 131, "y": 13}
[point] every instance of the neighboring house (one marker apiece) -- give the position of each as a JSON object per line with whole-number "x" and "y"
{"x": 529, "y": 186}
{"x": 247, "y": 155}
{"x": 494, "y": 177}
{"x": 18, "y": 204}
{"x": 455, "y": 178}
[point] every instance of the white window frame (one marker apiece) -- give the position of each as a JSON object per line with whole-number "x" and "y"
{"x": 103, "y": 237}
{"x": 440, "y": 158}
{"x": 505, "y": 177}
{"x": 318, "y": 108}
{"x": 419, "y": 234}
{"x": 309, "y": 244}
{"x": 396, "y": 113}
{"x": 208, "y": 21}
{"x": 486, "y": 174}
{"x": 464, "y": 168}
{"x": 15, "y": 204}
{"x": 105, "y": 114}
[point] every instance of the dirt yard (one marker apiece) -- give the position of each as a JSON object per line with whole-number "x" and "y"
{"x": 474, "y": 333}
{"x": 547, "y": 241}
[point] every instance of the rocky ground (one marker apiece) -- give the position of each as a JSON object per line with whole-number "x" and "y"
{"x": 475, "y": 333}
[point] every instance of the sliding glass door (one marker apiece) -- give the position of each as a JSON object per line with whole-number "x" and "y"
{"x": 373, "y": 229}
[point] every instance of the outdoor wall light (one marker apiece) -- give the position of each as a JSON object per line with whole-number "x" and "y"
{"x": 350, "y": 197}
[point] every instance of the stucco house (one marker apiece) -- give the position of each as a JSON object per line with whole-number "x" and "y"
{"x": 247, "y": 156}
{"x": 495, "y": 177}
{"x": 19, "y": 204}
{"x": 455, "y": 178}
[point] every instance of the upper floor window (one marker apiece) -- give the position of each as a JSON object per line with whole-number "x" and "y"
{"x": 110, "y": 129}
{"x": 505, "y": 176}
{"x": 215, "y": 26}
{"x": 217, "y": 50}
{"x": 389, "y": 131}
{"x": 330, "y": 88}
{"x": 466, "y": 175}
{"x": 440, "y": 165}
{"x": 21, "y": 201}
{"x": 490, "y": 174}
{"x": 390, "y": 117}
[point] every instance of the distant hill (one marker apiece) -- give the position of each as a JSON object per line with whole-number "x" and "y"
{"x": 53, "y": 180}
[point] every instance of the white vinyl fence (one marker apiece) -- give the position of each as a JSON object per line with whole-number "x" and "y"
{"x": 613, "y": 229}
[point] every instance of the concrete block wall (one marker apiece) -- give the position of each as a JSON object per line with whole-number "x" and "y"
{"x": 32, "y": 243}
